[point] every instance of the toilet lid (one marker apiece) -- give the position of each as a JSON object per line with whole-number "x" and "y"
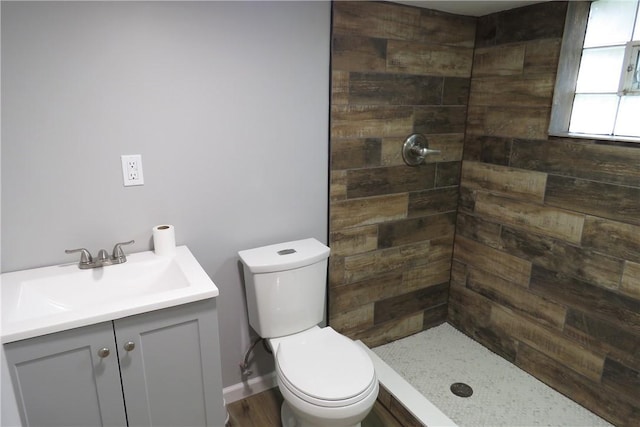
{"x": 325, "y": 365}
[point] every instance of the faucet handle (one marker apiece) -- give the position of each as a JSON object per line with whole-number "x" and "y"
{"x": 103, "y": 256}
{"x": 118, "y": 253}
{"x": 85, "y": 255}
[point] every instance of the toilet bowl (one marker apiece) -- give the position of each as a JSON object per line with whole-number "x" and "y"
{"x": 325, "y": 379}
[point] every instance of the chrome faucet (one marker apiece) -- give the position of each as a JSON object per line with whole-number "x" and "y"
{"x": 86, "y": 260}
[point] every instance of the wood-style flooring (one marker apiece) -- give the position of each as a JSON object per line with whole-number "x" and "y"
{"x": 263, "y": 410}
{"x": 259, "y": 410}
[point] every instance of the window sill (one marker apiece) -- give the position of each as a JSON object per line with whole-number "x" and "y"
{"x": 614, "y": 138}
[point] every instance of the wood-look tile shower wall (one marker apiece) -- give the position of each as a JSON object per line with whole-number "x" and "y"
{"x": 396, "y": 70}
{"x": 546, "y": 268}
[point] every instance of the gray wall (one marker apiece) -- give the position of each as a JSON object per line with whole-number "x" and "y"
{"x": 227, "y": 102}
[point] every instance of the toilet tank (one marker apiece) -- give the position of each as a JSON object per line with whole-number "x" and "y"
{"x": 285, "y": 286}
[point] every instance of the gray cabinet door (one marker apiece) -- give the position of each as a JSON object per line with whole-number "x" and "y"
{"x": 60, "y": 380}
{"x": 172, "y": 375}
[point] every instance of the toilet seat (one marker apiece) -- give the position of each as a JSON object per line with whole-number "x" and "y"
{"x": 324, "y": 368}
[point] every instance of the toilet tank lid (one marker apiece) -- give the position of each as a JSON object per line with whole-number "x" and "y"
{"x": 284, "y": 256}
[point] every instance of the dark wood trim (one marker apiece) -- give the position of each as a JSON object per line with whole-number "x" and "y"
{"x": 570, "y": 55}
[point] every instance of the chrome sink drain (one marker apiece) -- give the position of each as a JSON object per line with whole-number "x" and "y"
{"x": 461, "y": 389}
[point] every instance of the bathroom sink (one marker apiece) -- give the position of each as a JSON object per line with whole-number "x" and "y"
{"x": 51, "y": 299}
{"x": 79, "y": 288}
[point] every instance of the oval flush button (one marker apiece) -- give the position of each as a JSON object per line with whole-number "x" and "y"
{"x": 286, "y": 251}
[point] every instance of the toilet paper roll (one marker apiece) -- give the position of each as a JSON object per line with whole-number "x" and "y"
{"x": 164, "y": 240}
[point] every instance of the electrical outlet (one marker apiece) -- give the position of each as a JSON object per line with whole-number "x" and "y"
{"x": 132, "y": 169}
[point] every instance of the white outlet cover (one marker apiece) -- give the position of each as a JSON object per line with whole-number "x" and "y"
{"x": 132, "y": 169}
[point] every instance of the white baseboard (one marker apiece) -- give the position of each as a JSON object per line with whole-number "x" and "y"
{"x": 248, "y": 388}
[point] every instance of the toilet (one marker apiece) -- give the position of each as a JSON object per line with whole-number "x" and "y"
{"x": 326, "y": 379}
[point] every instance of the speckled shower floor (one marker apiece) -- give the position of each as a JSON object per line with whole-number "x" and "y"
{"x": 503, "y": 395}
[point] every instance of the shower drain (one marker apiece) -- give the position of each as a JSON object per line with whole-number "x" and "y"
{"x": 461, "y": 389}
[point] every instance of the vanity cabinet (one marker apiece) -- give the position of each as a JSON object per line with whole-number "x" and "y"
{"x": 59, "y": 379}
{"x": 159, "y": 368}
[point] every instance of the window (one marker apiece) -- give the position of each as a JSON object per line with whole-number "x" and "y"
{"x": 598, "y": 84}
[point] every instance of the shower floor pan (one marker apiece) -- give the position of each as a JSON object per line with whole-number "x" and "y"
{"x": 503, "y": 395}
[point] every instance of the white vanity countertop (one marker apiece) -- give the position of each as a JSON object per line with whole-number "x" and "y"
{"x": 51, "y": 299}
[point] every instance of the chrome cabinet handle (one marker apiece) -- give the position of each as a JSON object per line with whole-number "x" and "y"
{"x": 103, "y": 352}
{"x": 129, "y": 345}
